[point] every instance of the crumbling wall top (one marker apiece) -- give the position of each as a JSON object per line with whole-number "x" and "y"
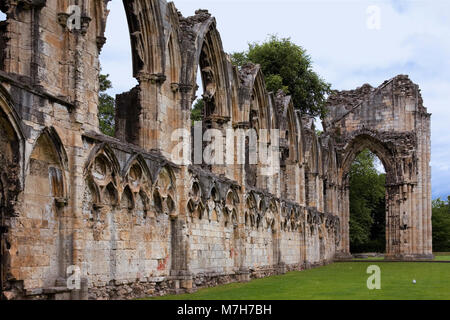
{"x": 200, "y": 16}
{"x": 350, "y": 97}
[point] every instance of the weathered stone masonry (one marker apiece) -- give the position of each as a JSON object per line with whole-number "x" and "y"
{"x": 135, "y": 223}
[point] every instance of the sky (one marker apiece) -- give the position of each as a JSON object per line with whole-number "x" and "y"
{"x": 351, "y": 42}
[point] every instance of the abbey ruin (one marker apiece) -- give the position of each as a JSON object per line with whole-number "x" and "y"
{"x": 126, "y": 219}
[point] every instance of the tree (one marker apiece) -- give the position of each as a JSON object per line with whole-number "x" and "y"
{"x": 286, "y": 66}
{"x": 367, "y": 205}
{"x": 197, "y": 110}
{"x": 106, "y": 107}
{"x": 441, "y": 225}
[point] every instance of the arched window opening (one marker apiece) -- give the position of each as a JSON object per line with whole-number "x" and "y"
{"x": 208, "y": 77}
{"x": 199, "y": 104}
{"x": 116, "y": 75}
{"x": 251, "y": 168}
{"x": 174, "y": 64}
{"x": 367, "y": 179}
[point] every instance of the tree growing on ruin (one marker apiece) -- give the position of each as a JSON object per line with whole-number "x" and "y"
{"x": 106, "y": 107}
{"x": 286, "y": 66}
{"x": 197, "y": 110}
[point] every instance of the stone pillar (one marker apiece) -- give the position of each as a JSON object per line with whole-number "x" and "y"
{"x": 221, "y": 124}
{"x": 302, "y": 187}
{"x": 180, "y": 272}
{"x": 311, "y": 189}
{"x": 243, "y": 273}
{"x": 343, "y": 252}
{"x": 347, "y": 220}
{"x": 150, "y": 136}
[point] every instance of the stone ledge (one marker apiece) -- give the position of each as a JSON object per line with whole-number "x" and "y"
{"x": 56, "y": 290}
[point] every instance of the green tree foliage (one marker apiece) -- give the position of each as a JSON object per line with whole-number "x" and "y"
{"x": 286, "y": 66}
{"x": 441, "y": 225}
{"x": 106, "y": 107}
{"x": 367, "y": 205}
{"x": 239, "y": 59}
{"x": 197, "y": 110}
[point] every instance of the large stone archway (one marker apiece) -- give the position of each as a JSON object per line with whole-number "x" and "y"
{"x": 392, "y": 122}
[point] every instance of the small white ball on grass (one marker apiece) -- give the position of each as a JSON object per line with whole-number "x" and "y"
{"x": 414, "y": 281}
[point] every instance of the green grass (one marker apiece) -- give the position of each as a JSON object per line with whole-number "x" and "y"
{"x": 442, "y": 256}
{"x": 339, "y": 281}
{"x": 439, "y": 256}
{"x": 370, "y": 258}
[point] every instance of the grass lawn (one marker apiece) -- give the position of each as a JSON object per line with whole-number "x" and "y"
{"x": 370, "y": 258}
{"x": 439, "y": 256}
{"x": 442, "y": 256}
{"x": 338, "y": 281}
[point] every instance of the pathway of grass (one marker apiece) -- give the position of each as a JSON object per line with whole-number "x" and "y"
{"x": 339, "y": 281}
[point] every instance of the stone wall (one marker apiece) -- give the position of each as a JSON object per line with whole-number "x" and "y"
{"x": 134, "y": 221}
{"x": 392, "y": 122}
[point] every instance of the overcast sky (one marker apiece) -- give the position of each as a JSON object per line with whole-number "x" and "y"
{"x": 413, "y": 38}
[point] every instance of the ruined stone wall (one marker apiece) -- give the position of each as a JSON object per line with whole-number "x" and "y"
{"x": 392, "y": 122}
{"x": 127, "y": 215}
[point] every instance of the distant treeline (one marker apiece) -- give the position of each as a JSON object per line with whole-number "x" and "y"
{"x": 441, "y": 225}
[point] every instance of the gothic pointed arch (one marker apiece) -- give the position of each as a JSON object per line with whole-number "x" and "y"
{"x": 301, "y": 137}
{"x": 164, "y": 191}
{"x": 312, "y": 154}
{"x": 272, "y": 213}
{"x": 127, "y": 199}
{"x": 110, "y": 195}
{"x": 195, "y": 206}
{"x": 103, "y": 170}
{"x": 254, "y": 97}
{"x": 46, "y": 196}
{"x": 13, "y": 141}
{"x": 203, "y": 49}
{"x": 289, "y": 131}
{"x": 251, "y": 208}
{"x": 174, "y": 60}
{"x": 232, "y": 197}
{"x": 55, "y": 139}
{"x": 147, "y": 37}
{"x": 366, "y": 139}
{"x": 137, "y": 173}
{"x": 49, "y": 158}
{"x": 101, "y": 12}
{"x": 260, "y": 102}
{"x": 173, "y": 50}
{"x": 231, "y": 202}
{"x": 332, "y": 165}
